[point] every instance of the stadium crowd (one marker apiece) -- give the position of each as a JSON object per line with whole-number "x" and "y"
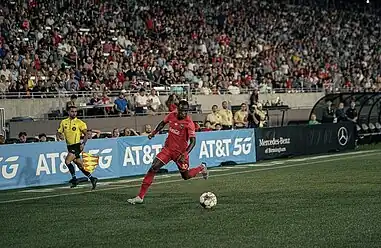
{"x": 215, "y": 46}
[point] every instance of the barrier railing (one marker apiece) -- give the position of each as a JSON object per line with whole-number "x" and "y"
{"x": 41, "y": 164}
{"x": 165, "y": 92}
{"x": 2, "y": 121}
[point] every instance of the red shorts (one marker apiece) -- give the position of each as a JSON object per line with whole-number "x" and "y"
{"x": 166, "y": 155}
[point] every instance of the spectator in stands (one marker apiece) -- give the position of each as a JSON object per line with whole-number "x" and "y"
{"x": 42, "y": 137}
{"x": 115, "y": 133}
{"x": 93, "y": 133}
{"x": 226, "y": 116}
{"x": 351, "y": 113}
{"x": 154, "y": 101}
{"x": 218, "y": 127}
{"x": 328, "y": 113}
{"x": 214, "y": 117}
{"x": 197, "y": 127}
{"x": 3, "y": 84}
{"x": 95, "y": 100}
{"x": 171, "y": 102}
{"x": 130, "y": 132}
{"x": 207, "y": 127}
{"x": 260, "y": 115}
{"x": 121, "y": 105}
{"x": 340, "y": 113}
{"x": 240, "y": 117}
{"x": 252, "y": 118}
{"x": 254, "y": 97}
{"x": 2, "y": 139}
{"x": 313, "y": 120}
{"x": 141, "y": 103}
{"x": 249, "y": 45}
{"x": 147, "y": 130}
{"x": 106, "y": 100}
{"x": 22, "y": 137}
{"x": 72, "y": 102}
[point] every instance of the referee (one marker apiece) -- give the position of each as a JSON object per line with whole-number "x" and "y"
{"x": 70, "y": 129}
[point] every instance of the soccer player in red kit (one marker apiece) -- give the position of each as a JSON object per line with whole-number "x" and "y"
{"x": 176, "y": 148}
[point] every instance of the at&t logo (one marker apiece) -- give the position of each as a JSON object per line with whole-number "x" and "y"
{"x": 9, "y": 167}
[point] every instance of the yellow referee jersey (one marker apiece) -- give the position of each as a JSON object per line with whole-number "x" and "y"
{"x": 72, "y": 130}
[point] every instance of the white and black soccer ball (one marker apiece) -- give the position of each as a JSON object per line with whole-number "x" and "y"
{"x": 208, "y": 200}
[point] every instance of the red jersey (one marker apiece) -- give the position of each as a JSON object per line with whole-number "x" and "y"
{"x": 179, "y": 132}
{"x": 172, "y": 107}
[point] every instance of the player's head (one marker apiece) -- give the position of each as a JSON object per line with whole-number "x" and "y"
{"x": 182, "y": 110}
{"x": 72, "y": 112}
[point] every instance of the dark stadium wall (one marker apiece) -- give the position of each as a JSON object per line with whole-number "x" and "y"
{"x": 49, "y": 127}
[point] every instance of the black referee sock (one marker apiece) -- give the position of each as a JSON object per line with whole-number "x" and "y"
{"x": 71, "y": 170}
{"x": 88, "y": 174}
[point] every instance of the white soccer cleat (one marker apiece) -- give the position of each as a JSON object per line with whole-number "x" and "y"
{"x": 204, "y": 172}
{"x": 135, "y": 200}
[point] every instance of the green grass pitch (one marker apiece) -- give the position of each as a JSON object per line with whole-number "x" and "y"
{"x": 329, "y": 201}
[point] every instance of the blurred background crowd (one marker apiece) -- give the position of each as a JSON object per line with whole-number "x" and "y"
{"x": 214, "y": 46}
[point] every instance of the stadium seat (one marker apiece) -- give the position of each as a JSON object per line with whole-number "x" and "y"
{"x": 50, "y": 139}
{"x": 378, "y": 126}
{"x": 12, "y": 141}
{"x": 32, "y": 140}
{"x": 358, "y": 128}
{"x": 372, "y": 127}
{"x": 105, "y": 135}
{"x": 364, "y": 127}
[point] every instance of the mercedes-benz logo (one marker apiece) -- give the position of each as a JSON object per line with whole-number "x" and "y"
{"x": 342, "y": 136}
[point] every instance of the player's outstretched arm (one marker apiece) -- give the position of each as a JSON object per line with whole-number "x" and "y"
{"x": 158, "y": 128}
{"x": 192, "y": 143}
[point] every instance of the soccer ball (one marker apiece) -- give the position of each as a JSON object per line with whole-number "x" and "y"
{"x": 208, "y": 200}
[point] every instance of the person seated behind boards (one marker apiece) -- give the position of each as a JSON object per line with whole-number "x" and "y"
{"x": 226, "y": 116}
{"x": 214, "y": 117}
{"x": 313, "y": 120}
{"x": 240, "y": 117}
{"x": 260, "y": 115}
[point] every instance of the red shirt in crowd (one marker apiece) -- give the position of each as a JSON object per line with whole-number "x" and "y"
{"x": 149, "y": 24}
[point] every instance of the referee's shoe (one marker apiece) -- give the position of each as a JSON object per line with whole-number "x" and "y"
{"x": 94, "y": 182}
{"x": 74, "y": 182}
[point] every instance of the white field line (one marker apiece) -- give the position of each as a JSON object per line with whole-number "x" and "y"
{"x": 345, "y": 156}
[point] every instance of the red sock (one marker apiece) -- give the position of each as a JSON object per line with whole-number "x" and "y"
{"x": 193, "y": 172}
{"x": 147, "y": 181}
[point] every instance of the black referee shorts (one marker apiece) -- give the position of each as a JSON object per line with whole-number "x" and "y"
{"x": 75, "y": 149}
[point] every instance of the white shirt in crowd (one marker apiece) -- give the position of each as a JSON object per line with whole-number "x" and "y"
{"x": 155, "y": 102}
{"x": 141, "y": 101}
{"x": 285, "y": 68}
{"x": 6, "y": 73}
